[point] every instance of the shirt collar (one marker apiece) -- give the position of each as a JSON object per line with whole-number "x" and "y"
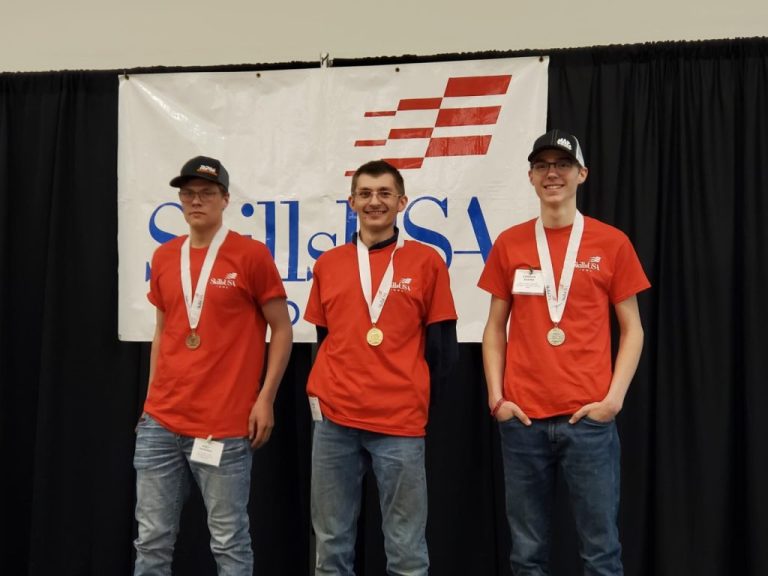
{"x": 379, "y": 245}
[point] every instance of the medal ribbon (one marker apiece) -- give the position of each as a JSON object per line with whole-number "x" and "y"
{"x": 375, "y": 305}
{"x": 556, "y": 299}
{"x": 195, "y": 303}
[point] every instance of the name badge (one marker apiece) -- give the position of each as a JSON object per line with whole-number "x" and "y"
{"x": 206, "y": 451}
{"x": 314, "y": 407}
{"x": 528, "y": 281}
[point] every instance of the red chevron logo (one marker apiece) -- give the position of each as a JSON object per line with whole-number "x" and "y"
{"x": 483, "y": 117}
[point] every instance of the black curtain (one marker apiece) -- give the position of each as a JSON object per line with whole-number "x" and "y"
{"x": 70, "y": 392}
{"x": 675, "y": 137}
{"x": 674, "y": 140}
{"x": 68, "y": 388}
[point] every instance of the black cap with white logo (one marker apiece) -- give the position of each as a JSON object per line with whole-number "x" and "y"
{"x": 558, "y": 140}
{"x": 205, "y": 168}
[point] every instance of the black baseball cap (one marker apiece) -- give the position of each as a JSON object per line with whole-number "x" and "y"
{"x": 205, "y": 168}
{"x": 558, "y": 140}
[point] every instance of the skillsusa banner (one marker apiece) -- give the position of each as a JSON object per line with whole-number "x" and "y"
{"x": 459, "y": 131}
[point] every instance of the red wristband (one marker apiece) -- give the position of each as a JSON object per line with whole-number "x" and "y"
{"x": 497, "y": 406}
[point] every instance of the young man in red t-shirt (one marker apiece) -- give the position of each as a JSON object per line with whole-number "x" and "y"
{"x": 550, "y": 382}
{"x": 386, "y": 324}
{"x": 215, "y": 292}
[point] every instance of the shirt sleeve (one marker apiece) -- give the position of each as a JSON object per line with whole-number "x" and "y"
{"x": 441, "y": 305}
{"x": 265, "y": 278}
{"x": 313, "y": 312}
{"x": 628, "y": 277}
{"x": 441, "y": 353}
{"x": 495, "y": 277}
{"x": 155, "y": 295}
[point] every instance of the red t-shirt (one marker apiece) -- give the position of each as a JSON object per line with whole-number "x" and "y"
{"x": 546, "y": 380}
{"x": 383, "y": 389}
{"x": 210, "y": 391}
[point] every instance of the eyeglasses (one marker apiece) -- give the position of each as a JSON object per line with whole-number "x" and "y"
{"x": 206, "y": 195}
{"x": 383, "y": 195}
{"x": 561, "y": 166}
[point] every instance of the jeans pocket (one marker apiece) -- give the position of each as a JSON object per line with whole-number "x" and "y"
{"x": 593, "y": 422}
{"x": 514, "y": 421}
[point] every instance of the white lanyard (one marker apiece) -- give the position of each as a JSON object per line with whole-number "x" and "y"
{"x": 556, "y": 298}
{"x": 195, "y": 303}
{"x": 375, "y": 305}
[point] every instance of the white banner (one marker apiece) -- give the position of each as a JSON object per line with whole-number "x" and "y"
{"x": 459, "y": 131}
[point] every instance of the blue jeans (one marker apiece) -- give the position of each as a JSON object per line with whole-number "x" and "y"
{"x": 340, "y": 457}
{"x": 587, "y": 454}
{"x": 164, "y": 473}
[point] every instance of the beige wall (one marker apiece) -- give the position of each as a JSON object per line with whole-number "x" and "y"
{"x": 106, "y": 34}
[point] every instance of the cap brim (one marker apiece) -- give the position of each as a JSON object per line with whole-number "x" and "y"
{"x": 533, "y": 154}
{"x": 179, "y": 181}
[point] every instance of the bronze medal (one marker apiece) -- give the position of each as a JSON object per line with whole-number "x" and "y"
{"x": 193, "y": 341}
{"x": 374, "y": 337}
{"x": 556, "y": 336}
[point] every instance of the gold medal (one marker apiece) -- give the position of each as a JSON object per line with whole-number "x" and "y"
{"x": 193, "y": 340}
{"x": 374, "y": 337}
{"x": 556, "y": 336}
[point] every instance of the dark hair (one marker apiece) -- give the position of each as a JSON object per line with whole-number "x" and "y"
{"x": 379, "y": 168}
